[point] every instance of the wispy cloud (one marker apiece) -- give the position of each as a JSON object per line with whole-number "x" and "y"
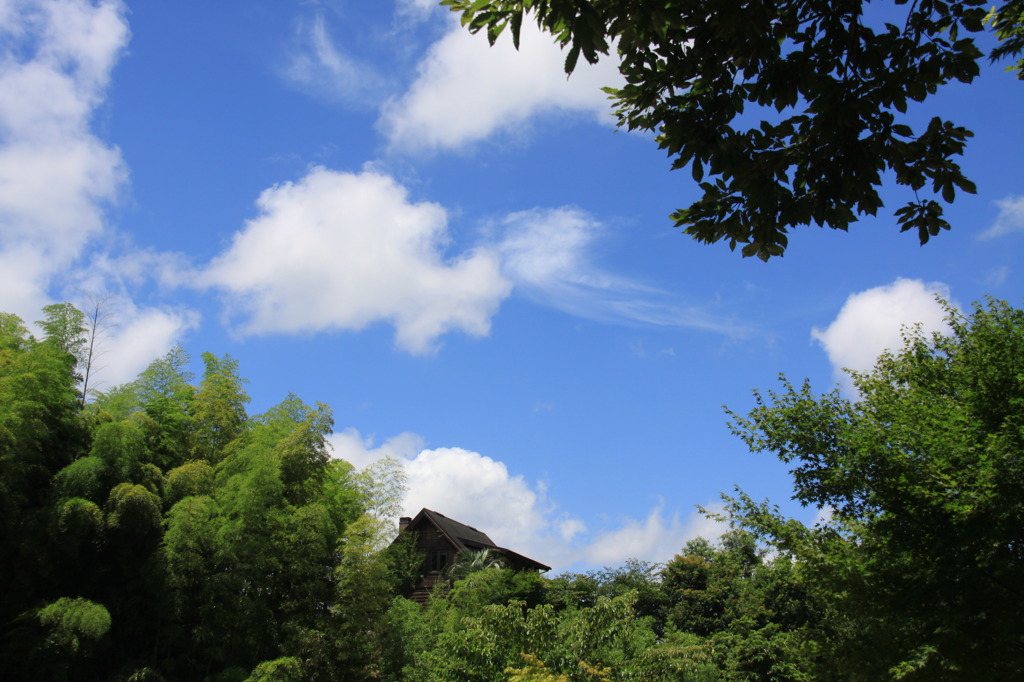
{"x": 997, "y": 276}
{"x": 1009, "y": 220}
{"x": 318, "y": 67}
{"x": 547, "y": 253}
{"x": 340, "y": 251}
{"x": 419, "y": 8}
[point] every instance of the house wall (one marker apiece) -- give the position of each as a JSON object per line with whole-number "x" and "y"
{"x": 437, "y": 551}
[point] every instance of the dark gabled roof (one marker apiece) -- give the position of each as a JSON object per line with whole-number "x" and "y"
{"x": 459, "y": 534}
{"x": 517, "y": 559}
{"x": 464, "y": 537}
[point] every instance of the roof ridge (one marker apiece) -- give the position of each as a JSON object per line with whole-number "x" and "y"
{"x": 454, "y": 521}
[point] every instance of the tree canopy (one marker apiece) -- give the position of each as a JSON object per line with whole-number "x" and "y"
{"x": 160, "y": 533}
{"x": 789, "y": 113}
{"x": 923, "y": 477}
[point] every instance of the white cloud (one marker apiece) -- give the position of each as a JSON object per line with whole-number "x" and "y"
{"x": 418, "y": 5}
{"x": 997, "y": 276}
{"x": 361, "y": 451}
{"x": 823, "y": 516}
{"x": 481, "y": 492}
{"x": 319, "y": 67}
{"x": 141, "y": 336}
{"x": 467, "y": 90}
{"x": 569, "y": 528}
{"x": 415, "y": 11}
{"x": 546, "y": 252}
{"x": 23, "y": 274}
{"x": 56, "y": 176}
{"x": 342, "y": 251}
{"x": 657, "y": 538}
{"x": 1009, "y": 220}
{"x": 872, "y": 321}
{"x": 478, "y": 491}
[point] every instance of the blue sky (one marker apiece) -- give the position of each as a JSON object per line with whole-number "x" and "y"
{"x": 451, "y": 246}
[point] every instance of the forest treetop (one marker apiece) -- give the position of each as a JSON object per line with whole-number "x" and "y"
{"x": 161, "y": 533}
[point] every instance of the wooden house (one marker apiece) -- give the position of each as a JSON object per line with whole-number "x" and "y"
{"x": 441, "y": 540}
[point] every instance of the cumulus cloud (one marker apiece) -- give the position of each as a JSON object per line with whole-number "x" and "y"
{"x": 477, "y": 490}
{"x": 515, "y": 513}
{"x": 361, "y": 451}
{"x": 56, "y": 176}
{"x": 656, "y": 538}
{"x": 872, "y": 321}
{"x": 317, "y": 66}
{"x": 466, "y": 90}
{"x": 1009, "y": 220}
{"x": 342, "y": 251}
{"x": 547, "y": 253}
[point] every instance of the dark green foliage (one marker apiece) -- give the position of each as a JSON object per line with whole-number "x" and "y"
{"x": 1008, "y": 24}
{"x": 924, "y": 556}
{"x": 122, "y": 447}
{"x": 285, "y": 669}
{"x": 497, "y": 585}
{"x": 219, "y": 412}
{"x": 134, "y": 511}
{"x": 642, "y": 578}
{"x": 190, "y": 479}
{"x": 74, "y": 624}
{"x": 40, "y": 434}
{"x": 159, "y": 534}
{"x": 405, "y": 562}
{"x": 79, "y": 521}
{"x": 788, "y": 113}
{"x": 754, "y": 614}
{"x": 124, "y": 557}
{"x": 87, "y": 477}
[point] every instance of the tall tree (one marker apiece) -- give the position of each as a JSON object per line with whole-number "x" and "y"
{"x": 165, "y": 393}
{"x": 166, "y": 536}
{"x": 40, "y": 433}
{"x": 98, "y": 320}
{"x": 924, "y": 477}
{"x": 754, "y": 613}
{"x": 64, "y": 327}
{"x": 219, "y": 410}
{"x": 829, "y": 84}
